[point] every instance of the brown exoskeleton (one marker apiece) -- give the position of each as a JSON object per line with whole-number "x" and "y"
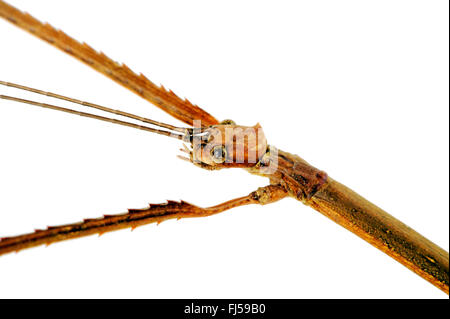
{"x": 289, "y": 175}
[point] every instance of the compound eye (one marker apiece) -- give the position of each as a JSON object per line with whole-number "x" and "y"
{"x": 219, "y": 154}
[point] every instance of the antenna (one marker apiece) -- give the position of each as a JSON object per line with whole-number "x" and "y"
{"x": 95, "y": 106}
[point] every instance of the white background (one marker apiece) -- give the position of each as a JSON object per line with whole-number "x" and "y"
{"x": 357, "y": 88}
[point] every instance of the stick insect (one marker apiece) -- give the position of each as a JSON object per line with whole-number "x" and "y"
{"x": 293, "y": 177}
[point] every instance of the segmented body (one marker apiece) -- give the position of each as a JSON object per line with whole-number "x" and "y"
{"x": 342, "y": 205}
{"x": 299, "y": 178}
{"x": 292, "y": 176}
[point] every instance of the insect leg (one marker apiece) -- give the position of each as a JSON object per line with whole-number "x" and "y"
{"x": 168, "y": 101}
{"x": 135, "y": 218}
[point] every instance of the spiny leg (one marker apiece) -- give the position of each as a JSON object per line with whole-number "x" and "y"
{"x": 139, "y": 84}
{"x": 135, "y": 218}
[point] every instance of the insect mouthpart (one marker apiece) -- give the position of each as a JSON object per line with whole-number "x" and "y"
{"x": 228, "y": 145}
